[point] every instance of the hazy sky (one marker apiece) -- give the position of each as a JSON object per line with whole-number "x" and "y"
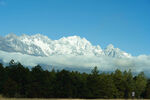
{"x": 123, "y": 23}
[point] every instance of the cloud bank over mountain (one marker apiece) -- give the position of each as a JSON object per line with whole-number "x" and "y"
{"x": 73, "y": 52}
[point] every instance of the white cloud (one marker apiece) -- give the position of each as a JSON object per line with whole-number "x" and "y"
{"x": 136, "y": 64}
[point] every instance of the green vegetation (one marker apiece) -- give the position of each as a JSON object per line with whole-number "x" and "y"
{"x": 16, "y": 81}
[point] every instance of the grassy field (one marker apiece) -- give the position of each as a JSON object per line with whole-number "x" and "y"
{"x": 1, "y": 98}
{"x": 64, "y": 99}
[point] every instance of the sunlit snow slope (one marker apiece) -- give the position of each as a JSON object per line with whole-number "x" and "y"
{"x": 39, "y": 45}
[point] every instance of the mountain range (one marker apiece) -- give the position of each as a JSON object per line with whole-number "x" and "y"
{"x": 40, "y": 45}
{"x": 72, "y": 52}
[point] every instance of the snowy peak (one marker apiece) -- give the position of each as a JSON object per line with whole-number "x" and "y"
{"x": 11, "y": 35}
{"x": 75, "y": 40}
{"x": 115, "y": 52}
{"x": 110, "y": 47}
{"x": 40, "y": 45}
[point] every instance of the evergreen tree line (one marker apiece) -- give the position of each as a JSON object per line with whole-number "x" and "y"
{"x": 20, "y": 82}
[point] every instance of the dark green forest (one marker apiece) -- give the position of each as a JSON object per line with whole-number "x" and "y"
{"x": 21, "y": 82}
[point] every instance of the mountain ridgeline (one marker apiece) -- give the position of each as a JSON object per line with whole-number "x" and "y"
{"x": 20, "y": 82}
{"x": 40, "y": 45}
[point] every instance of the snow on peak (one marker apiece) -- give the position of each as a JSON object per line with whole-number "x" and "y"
{"x": 115, "y": 52}
{"x": 110, "y": 46}
{"x": 40, "y": 45}
{"x": 11, "y": 36}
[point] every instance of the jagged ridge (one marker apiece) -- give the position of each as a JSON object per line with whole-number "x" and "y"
{"x": 40, "y": 45}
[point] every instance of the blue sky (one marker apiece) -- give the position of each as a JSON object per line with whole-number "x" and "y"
{"x": 123, "y": 23}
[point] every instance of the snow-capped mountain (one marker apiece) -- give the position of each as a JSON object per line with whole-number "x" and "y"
{"x": 71, "y": 52}
{"x": 39, "y": 45}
